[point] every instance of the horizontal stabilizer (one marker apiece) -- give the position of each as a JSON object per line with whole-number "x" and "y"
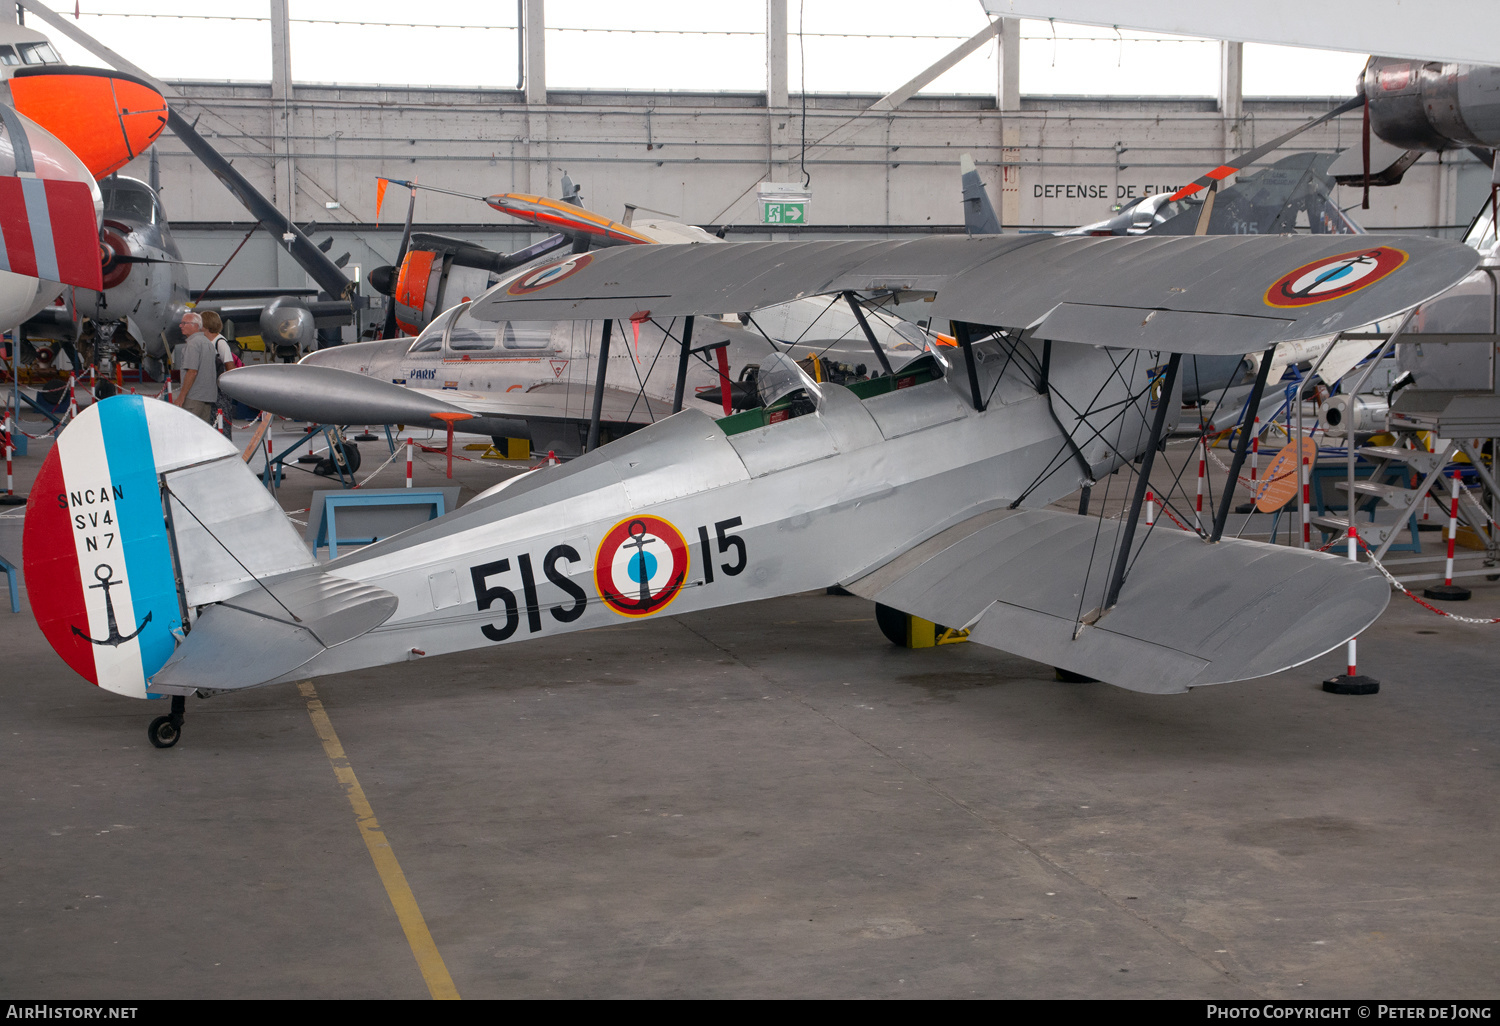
{"x": 1388, "y": 164}
{"x": 1190, "y": 613}
{"x": 1207, "y": 295}
{"x": 258, "y": 636}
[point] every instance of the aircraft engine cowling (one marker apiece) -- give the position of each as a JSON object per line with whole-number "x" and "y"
{"x": 112, "y": 247}
{"x": 287, "y": 326}
{"x": 1417, "y": 105}
{"x": 429, "y": 283}
{"x": 417, "y": 289}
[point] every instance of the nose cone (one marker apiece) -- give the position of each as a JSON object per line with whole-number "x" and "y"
{"x": 285, "y": 322}
{"x": 105, "y": 117}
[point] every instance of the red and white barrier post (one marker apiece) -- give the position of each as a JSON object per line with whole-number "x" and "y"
{"x": 1254, "y": 457}
{"x": 72, "y": 398}
{"x": 1448, "y": 590}
{"x": 1353, "y": 555}
{"x": 10, "y": 498}
{"x": 1202, "y": 470}
{"x": 408, "y": 463}
{"x": 1351, "y": 683}
{"x": 1150, "y": 508}
{"x": 1306, "y": 502}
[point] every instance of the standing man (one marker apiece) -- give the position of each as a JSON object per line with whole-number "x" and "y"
{"x": 195, "y": 358}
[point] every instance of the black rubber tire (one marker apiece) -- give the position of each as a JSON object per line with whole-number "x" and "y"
{"x": 327, "y": 468}
{"x": 892, "y": 623}
{"x": 163, "y": 732}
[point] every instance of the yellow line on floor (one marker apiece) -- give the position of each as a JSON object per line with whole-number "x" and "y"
{"x": 434, "y": 972}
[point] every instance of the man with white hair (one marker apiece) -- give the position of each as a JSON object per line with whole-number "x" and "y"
{"x": 200, "y": 380}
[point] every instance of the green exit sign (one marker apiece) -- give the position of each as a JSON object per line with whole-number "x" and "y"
{"x": 782, "y": 212}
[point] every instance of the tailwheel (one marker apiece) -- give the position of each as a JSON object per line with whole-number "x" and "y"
{"x": 166, "y": 731}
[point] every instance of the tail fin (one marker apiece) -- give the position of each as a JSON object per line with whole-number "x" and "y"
{"x": 140, "y": 513}
{"x": 979, "y": 215}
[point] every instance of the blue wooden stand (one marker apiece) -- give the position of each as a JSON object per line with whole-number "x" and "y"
{"x": 328, "y": 533}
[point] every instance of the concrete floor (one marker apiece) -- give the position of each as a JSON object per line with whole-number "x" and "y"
{"x": 767, "y": 800}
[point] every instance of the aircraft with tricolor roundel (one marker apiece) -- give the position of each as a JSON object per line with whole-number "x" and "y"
{"x": 159, "y": 566}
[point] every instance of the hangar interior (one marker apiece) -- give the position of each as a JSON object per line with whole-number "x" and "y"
{"x": 765, "y": 799}
{"x": 876, "y": 168}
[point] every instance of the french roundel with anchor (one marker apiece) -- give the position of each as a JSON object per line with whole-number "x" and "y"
{"x": 640, "y": 566}
{"x": 540, "y": 277}
{"x": 1333, "y": 277}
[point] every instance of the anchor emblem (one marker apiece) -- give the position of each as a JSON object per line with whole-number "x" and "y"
{"x": 105, "y": 575}
{"x": 635, "y": 580}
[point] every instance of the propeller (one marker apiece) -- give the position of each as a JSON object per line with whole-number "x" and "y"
{"x": 1243, "y": 160}
{"x": 389, "y": 329}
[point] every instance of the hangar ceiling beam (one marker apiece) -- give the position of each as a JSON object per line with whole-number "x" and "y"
{"x": 777, "y": 94}
{"x": 1434, "y": 30}
{"x": 892, "y": 100}
{"x": 778, "y": 97}
{"x": 1008, "y": 67}
{"x": 536, "y": 51}
{"x": 1232, "y": 93}
{"x": 1008, "y": 102}
{"x": 281, "y": 107}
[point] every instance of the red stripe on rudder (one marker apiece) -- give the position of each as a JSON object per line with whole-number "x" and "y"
{"x": 16, "y": 227}
{"x": 50, "y": 561}
{"x": 75, "y": 234}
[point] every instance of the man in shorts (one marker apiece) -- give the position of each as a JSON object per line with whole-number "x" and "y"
{"x": 195, "y": 358}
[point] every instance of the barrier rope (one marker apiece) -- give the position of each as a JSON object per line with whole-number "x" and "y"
{"x": 1419, "y": 601}
{"x": 378, "y": 469}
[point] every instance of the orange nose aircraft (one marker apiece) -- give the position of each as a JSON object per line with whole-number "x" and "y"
{"x": 107, "y": 118}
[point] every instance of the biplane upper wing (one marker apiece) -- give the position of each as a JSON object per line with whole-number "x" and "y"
{"x": 1207, "y": 295}
{"x": 1031, "y": 581}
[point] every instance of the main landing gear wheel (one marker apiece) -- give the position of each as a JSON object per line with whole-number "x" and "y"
{"x": 166, "y": 731}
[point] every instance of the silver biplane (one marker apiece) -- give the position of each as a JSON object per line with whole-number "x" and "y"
{"x": 158, "y": 566}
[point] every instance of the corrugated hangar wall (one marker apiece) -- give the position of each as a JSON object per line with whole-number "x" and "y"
{"x": 699, "y": 157}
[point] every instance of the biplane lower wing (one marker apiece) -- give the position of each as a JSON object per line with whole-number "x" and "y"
{"x": 1190, "y": 613}
{"x": 1204, "y": 295}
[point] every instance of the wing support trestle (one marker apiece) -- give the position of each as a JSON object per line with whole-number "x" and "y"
{"x": 864, "y": 325}
{"x": 1243, "y": 445}
{"x": 599, "y": 388}
{"x": 961, "y": 331}
{"x": 682, "y": 364}
{"x": 1122, "y": 553}
{"x": 1044, "y": 389}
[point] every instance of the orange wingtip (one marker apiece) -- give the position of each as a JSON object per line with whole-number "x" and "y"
{"x": 106, "y": 118}
{"x": 563, "y": 217}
